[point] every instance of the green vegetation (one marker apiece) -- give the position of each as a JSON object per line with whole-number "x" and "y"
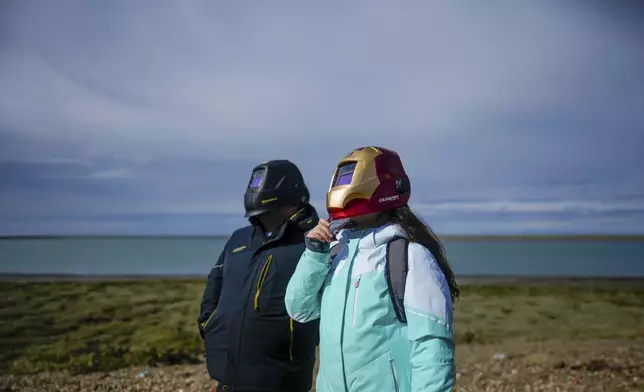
{"x": 492, "y": 313}
{"x": 86, "y": 326}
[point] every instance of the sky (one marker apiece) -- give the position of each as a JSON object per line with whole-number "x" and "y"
{"x": 147, "y": 117}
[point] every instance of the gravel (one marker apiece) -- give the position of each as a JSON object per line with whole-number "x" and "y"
{"x": 611, "y": 366}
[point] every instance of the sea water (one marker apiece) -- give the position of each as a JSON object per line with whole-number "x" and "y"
{"x": 196, "y": 256}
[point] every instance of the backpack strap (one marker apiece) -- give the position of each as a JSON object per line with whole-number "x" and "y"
{"x": 396, "y": 267}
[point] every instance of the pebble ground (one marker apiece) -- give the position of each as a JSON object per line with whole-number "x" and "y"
{"x": 610, "y": 366}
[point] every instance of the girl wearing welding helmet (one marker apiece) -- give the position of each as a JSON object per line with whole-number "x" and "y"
{"x": 370, "y": 339}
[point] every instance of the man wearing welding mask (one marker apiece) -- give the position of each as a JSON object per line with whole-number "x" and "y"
{"x": 250, "y": 341}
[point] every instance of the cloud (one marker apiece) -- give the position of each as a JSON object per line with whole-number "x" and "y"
{"x": 228, "y": 83}
{"x": 111, "y": 173}
{"x": 164, "y": 107}
{"x": 505, "y": 225}
{"x": 517, "y": 206}
{"x": 106, "y": 174}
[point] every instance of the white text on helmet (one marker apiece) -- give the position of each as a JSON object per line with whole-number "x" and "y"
{"x": 388, "y": 198}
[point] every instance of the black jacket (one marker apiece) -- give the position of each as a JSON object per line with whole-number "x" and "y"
{"x": 250, "y": 341}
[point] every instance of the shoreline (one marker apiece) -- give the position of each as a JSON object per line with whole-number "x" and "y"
{"x": 445, "y": 237}
{"x": 611, "y": 281}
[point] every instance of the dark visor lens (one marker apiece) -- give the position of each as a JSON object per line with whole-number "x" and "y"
{"x": 256, "y": 179}
{"x": 345, "y": 174}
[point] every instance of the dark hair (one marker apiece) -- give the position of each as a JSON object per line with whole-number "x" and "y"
{"x": 422, "y": 234}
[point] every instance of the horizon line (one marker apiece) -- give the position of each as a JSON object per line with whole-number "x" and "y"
{"x": 540, "y": 236}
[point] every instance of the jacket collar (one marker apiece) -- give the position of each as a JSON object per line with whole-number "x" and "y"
{"x": 373, "y": 237}
{"x": 304, "y": 219}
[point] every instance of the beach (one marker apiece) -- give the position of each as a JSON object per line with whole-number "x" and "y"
{"x": 133, "y": 334}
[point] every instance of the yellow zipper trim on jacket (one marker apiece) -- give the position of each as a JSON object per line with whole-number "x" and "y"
{"x": 290, "y": 347}
{"x": 205, "y": 323}
{"x": 296, "y": 214}
{"x": 260, "y": 281}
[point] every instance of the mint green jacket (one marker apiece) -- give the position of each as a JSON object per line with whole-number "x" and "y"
{"x": 363, "y": 347}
